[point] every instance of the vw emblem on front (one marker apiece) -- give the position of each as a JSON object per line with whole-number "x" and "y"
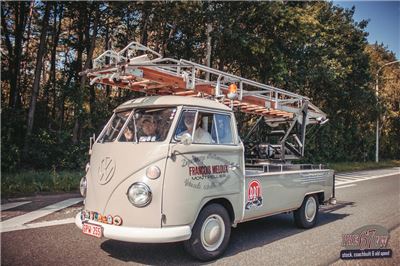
{"x": 106, "y": 170}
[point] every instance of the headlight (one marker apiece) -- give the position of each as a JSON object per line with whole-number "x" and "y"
{"x": 83, "y": 186}
{"x": 139, "y": 194}
{"x": 153, "y": 172}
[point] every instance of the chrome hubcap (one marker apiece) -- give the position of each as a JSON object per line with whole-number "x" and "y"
{"x": 212, "y": 232}
{"x": 311, "y": 209}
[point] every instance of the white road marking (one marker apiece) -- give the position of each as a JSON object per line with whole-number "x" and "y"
{"x": 11, "y": 205}
{"x": 350, "y": 177}
{"x": 38, "y": 225}
{"x": 28, "y": 217}
{"x": 363, "y": 179}
{"x": 344, "y": 186}
{"x": 347, "y": 179}
{"x": 352, "y": 174}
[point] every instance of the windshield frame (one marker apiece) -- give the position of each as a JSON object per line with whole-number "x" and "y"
{"x": 133, "y": 111}
{"x": 102, "y": 132}
{"x": 100, "y": 139}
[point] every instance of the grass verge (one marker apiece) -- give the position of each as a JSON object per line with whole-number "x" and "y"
{"x": 30, "y": 182}
{"x": 356, "y": 166}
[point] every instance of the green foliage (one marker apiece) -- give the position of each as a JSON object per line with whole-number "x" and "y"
{"x": 12, "y": 128}
{"x": 56, "y": 150}
{"x": 48, "y": 149}
{"x": 312, "y": 48}
{"x": 29, "y": 182}
{"x": 389, "y": 98}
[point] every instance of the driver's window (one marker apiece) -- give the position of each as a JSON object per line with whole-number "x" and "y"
{"x": 185, "y": 124}
{"x": 197, "y": 124}
{"x": 222, "y": 133}
{"x": 204, "y": 128}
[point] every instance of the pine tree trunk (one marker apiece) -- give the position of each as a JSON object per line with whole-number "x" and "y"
{"x": 77, "y": 126}
{"x": 56, "y": 36}
{"x": 15, "y": 53}
{"x": 81, "y": 24}
{"x": 36, "y": 83}
{"x": 90, "y": 50}
{"x": 208, "y": 53}
{"x": 25, "y": 75}
{"x": 107, "y": 47}
{"x": 144, "y": 22}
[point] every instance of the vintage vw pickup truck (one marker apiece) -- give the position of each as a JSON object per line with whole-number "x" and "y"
{"x": 170, "y": 168}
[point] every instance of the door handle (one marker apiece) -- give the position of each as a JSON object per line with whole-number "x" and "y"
{"x": 233, "y": 166}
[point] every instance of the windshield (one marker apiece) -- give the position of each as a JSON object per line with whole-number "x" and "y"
{"x": 140, "y": 125}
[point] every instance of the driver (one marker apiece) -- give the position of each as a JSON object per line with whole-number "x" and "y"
{"x": 200, "y": 135}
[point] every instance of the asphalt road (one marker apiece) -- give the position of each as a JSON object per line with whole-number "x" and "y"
{"x": 269, "y": 241}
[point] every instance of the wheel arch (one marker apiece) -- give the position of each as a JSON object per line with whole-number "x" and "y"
{"x": 224, "y": 202}
{"x": 301, "y": 215}
{"x": 319, "y": 194}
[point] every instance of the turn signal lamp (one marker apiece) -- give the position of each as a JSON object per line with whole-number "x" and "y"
{"x": 232, "y": 91}
{"x": 153, "y": 172}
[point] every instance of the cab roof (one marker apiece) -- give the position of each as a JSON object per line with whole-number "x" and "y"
{"x": 171, "y": 100}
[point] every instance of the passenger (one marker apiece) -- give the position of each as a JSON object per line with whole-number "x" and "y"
{"x": 200, "y": 135}
{"x": 164, "y": 123}
{"x": 149, "y": 128}
{"x": 128, "y": 135}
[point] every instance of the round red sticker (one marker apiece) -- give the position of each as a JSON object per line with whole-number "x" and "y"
{"x": 254, "y": 191}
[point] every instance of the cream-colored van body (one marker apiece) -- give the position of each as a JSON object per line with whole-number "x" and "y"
{"x": 198, "y": 186}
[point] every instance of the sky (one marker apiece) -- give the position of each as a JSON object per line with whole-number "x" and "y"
{"x": 384, "y": 24}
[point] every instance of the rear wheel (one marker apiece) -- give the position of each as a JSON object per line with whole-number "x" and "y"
{"x": 306, "y": 216}
{"x": 210, "y": 233}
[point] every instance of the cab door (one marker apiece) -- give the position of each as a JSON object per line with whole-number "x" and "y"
{"x": 210, "y": 167}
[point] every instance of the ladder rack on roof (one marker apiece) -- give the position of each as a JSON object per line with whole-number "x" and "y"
{"x": 155, "y": 75}
{"x": 139, "y": 68}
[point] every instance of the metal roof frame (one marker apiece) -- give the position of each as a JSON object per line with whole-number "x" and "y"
{"x": 139, "y": 68}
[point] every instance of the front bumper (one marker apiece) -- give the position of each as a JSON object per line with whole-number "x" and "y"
{"x": 141, "y": 235}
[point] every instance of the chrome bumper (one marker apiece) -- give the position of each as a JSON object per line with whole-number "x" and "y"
{"x": 141, "y": 235}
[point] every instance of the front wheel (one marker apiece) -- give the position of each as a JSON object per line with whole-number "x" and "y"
{"x": 210, "y": 233}
{"x": 306, "y": 216}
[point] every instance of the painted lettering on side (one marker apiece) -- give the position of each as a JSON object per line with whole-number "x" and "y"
{"x": 207, "y": 169}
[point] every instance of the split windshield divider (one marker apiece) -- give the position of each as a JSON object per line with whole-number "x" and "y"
{"x": 126, "y": 124}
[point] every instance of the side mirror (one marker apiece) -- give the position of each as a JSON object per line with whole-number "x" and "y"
{"x": 91, "y": 142}
{"x": 186, "y": 139}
